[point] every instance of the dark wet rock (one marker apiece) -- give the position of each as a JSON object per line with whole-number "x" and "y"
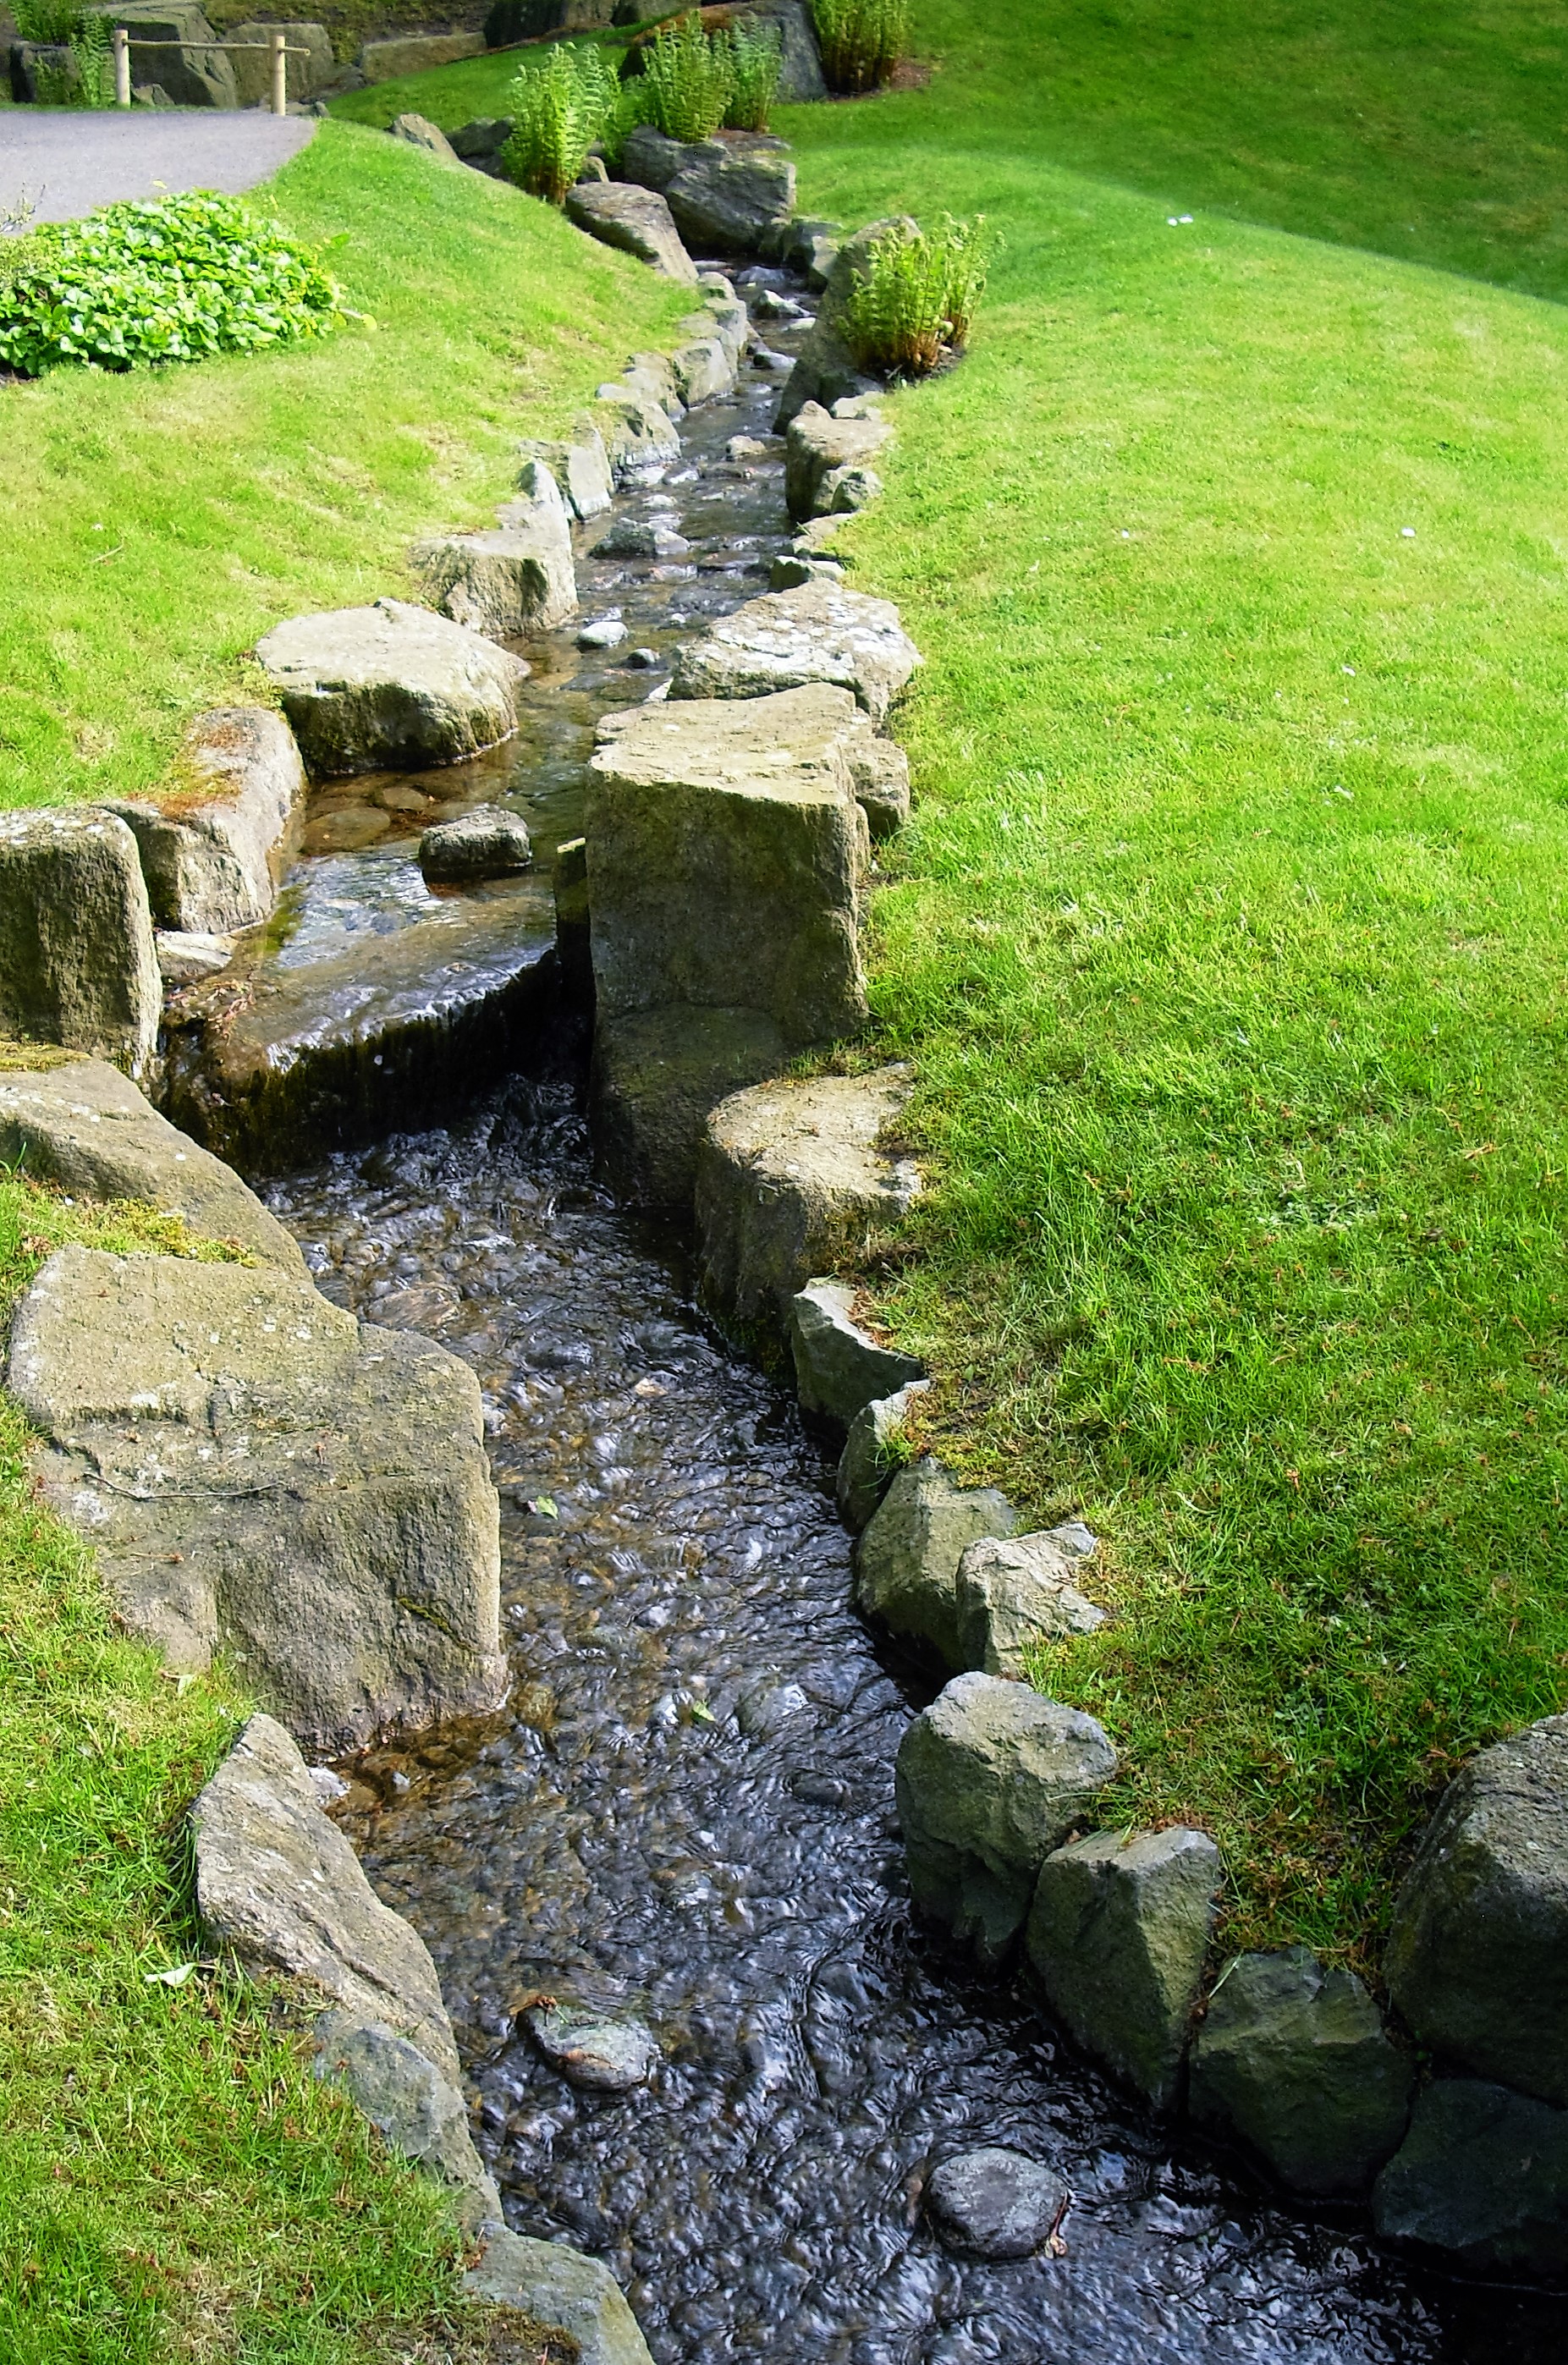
{"x": 639, "y": 438}
{"x": 839, "y": 1367}
{"x": 604, "y": 633}
{"x": 996, "y": 2202}
{"x": 638, "y": 221}
{"x": 818, "y": 448}
{"x": 791, "y": 1181}
{"x": 731, "y": 193}
{"x": 989, "y": 1778}
{"x": 78, "y": 965}
{"x": 549, "y": 2285}
{"x": 348, "y": 829}
{"x": 590, "y": 2049}
{"x": 484, "y": 844}
{"x": 515, "y": 578}
{"x": 85, "y": 1128}
{"x": 808, "y": 244}
{"x": 1477, "y": 1958}
{"x": 580, "y": 466}
{"x": 1015, "y": 1592}
{"x": 1483, "y": 2178}
{"x": 184, "y": 63}
{"x": 279, "y": 1889}
{"x": 421, "y": 132}
{"x": 214, "y": 847}
{"x": 644, "y": 660}
{"x": 816, "y": 633}
{"x": 186, "y": 958}
{"x": 265, "y": 1478}
{"x": 642, "y": 538}
{"x": 418, "y": 2109}
{"x": 1118, "y": 1933}
{"x": 655, "y": 1076}
{"x": 906, "y": 1562}
{"x": 875, "y": 1451}
{"x": 787, "y": 572}
{"x": 1294, "y": 2061}
{"x": 390, "y": 687}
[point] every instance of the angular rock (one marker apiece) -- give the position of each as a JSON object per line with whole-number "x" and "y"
{"x": 409, "y": 2101}
{"x": 879, "y": 772}
{"x": 728, "y": 201}
{"x": 187, "y": 958}
{"x": 989, "y": 1778}
{"x": 639, "y": 439}
{"x": 266, "y": 1476}
{"x": 279, "y": 1889}
{"x": 551, "y": 2285}
{"x": 1483, "y": 2178}
{"x": 421, "y": 132}
{"x": 726, "y": 860}
{"x": 826, "y": 370}
{"x": 787, "y": 572}
{"x": 186, "y": 64}
{"x": 638, "y": 221}
{"x": 1118, "y": 1932}
{"x": 1477, "y": 1957}
{"x": 1294, "y": 2061}
{"x": 641, "y": 538}
{"x": 704, "y": 369}
{"x": 483, "y": 843}
{"x": 519, "y": 578}
{"x": 485, "y": 135}
{"x": 607, "y": 2056}
{"x": 655, "y": 1075}
{"x": 649, "y": 377}
{"x": 580, "y": 466}
{"x": 800, "y": 77}
{"x": 78, "y": 965}
{"x": 906, "y": 1563}
{"x": 304, "y": 76}
{"x": 996, "y": 2202}
{"x": 86, "y": 1129}
{"x": 390, "y": 687}
{"x": 214, "y": 846}
{"x": 808, "y": 244}
{"x": 1014, "y": 1593}
{"x": 817, "y": 633}
{"x": 414, "y": 53}
{"x": 651, "y": 159}
{"x": 844, "y": 490}
{"x": 839, "y": 1368}
{"x": 875, "y": 1451}
{"x": 817, "y": 446}
{"x": 726, "y": 315}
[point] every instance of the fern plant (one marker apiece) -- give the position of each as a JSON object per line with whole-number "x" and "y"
{"x": 917, "y": 297}
{"x": 757, "y": 61}
{"x": 560, "y": 104}
{"x": 686, "y": 80}
{"x": 861, "y": 41}
{"x": 66, "y": 25}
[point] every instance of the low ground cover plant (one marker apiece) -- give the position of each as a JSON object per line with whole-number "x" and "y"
{"x": 177, "y": 279}
{"x": 562, "y": 105}
{"x": 861, "y": 41}
{"x": 917, "y": 297}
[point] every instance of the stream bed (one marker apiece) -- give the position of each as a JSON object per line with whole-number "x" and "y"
{"x": 685, "y": 1814}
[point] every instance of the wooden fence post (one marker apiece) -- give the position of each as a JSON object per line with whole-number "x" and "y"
{"x": 122, "y": 66}
{"x": 280, "y": 74}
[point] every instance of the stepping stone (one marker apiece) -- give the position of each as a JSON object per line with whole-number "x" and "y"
{"x": 817, "y": 632}
{"x": 996, "y": 2202}
{"x": 390, "y": 687}
{"x": 484, "y": 844}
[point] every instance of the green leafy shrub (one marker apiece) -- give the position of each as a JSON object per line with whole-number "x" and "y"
{"x": 560, "y": 104}
{"x": 686, "y": 80}
{"x": 861, "y": 41}
{"x": 757, "y": 61}
{"x": 174, "y": 280}
{"x": 917, "y": 297}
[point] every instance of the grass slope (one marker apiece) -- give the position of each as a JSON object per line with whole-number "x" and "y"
{"x": 157, "y": 523}
{"x": 1229, "y": 937}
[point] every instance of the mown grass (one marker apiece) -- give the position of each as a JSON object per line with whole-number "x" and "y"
{"x": 1228, "y": 938}
{"x": 157, "y": 523}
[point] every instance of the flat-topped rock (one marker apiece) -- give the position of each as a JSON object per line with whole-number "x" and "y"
{"x": 906, "y": 1562}
{"x": 262, "y": 1475}
{"x": 78, "y": 965}
{"x": 839, "y": 1367}
{"x": 517, "y": 576}
{"x": 593, "y": 2050}
{"x": 819, "y": 631}
{"x": 637, "y": 220}
{"x": 549, "y": 2285}
{"x": 390, "y": 687}
{"x": 413, "y": 53}
{"x": 580, "y": 466}
{"x": 1014, "y": 1592}
{"x": 487, "y": 843}
{"x": 279, "y": 1889}
{"x": 215, "y": 843}
{"x": 792, "y": 1180}
{"x": 86, "y": 1128}
{"x": 731, "y": 193}
{"x": 817, "y": 446}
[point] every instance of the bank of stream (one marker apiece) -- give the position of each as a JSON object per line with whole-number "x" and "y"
{"x": 685, "y": 1814}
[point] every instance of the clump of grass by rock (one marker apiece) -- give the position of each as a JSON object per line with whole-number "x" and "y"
{"x": 861, "y": 42}
{"x": 916, "y": 296}
{"x": 561, "y": 106}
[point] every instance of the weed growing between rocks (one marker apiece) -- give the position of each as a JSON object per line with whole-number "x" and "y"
{"x": 861, "y": 42}
{"x": 917, "y": 297}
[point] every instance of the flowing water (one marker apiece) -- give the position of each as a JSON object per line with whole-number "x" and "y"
{"x": 685, "y": 1814}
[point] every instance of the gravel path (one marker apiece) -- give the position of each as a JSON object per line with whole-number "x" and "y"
{"x": 67, "y": 163}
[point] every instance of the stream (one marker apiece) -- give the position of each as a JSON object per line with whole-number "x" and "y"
{"x": 685, "y": 1814}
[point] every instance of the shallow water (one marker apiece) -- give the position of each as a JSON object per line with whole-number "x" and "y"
{"x": 686, "y": 1811}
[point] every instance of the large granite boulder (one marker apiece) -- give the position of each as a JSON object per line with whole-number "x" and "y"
{"x": 1477, "y": 1957}
{"x": 638, "y": 221}
{"x": 875, "y": 1451}
{"x": 415, "y": 2106}
{"x": 1294, "y": 2061}
{"x": 185, "y": 63}
{"x": 906, "y": 1562}
{"x": 732, "y": 192}
{"x": 816, "y": 633}
{"x": 307, "y": 75}
{"x": 989, "y": 1778}
{"x": 818, "y": 445}
{"x": 279, "y": 1889}
{"x": 265, "y": 1476}
{"x": 85, "y": 1128}
{"x": 655, "y": 1077}
{"x": 78, "y": 965}
{"x": 839, "y": 1367}
{"x": 1014, "y": 1592}
{"x": 554, "y": 2286}
{"x": 826, "y": 370}
{"x": 416, "y": 53}
{"x": 390, "y": 687}
{"x": 1483, "y": 2178}
{"x": 214, "y": 845}
{"x": 791, "y": 1181}
{"x": 518, "y": 576}
{"x": 580, "y": 466}
{"x": 1118, "y": 1932}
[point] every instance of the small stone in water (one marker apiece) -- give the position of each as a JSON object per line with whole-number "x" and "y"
{"x": 608, "y": 2056}
{"x": 749, "y": 447}
{"x": 998, "y": 2203}
{"x": 644, "y": 658}
{"x": 604, "y": 632}
{"x": 482, "y": 845}
{"x": 767, "y": 1708}
{"x": 631, "y": 540}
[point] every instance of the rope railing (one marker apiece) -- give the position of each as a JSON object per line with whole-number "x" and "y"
{"x": 277, "y": 45}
